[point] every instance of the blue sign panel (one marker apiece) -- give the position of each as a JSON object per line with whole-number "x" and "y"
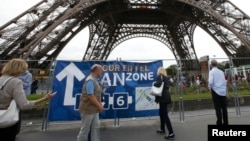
{"x": 127, "y": 94}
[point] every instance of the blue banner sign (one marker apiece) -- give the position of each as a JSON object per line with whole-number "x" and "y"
{"x": 127, "y": 94}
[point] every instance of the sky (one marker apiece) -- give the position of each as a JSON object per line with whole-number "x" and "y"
{"x": 136, "y": 49}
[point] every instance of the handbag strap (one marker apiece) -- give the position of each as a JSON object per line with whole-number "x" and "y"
{"x": 162, "y": 80}
{"x": 5, "y": 82}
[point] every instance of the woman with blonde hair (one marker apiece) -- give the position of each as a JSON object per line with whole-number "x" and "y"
{"x": 163, "y": 101}
{"x": 1, "y": 68}
{"x": 13, "y": 89}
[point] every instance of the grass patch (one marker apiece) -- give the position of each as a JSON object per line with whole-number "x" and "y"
{"x": 193, "y": 93}
{"x": 44, "y": 104}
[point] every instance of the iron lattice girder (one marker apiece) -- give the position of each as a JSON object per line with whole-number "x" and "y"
{"x": 230, "y": 21}
{"x": 128, "y": 31}
{"x": 54, "y": 23}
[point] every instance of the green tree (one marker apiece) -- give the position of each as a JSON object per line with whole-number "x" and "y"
{"x": 227, "y": 65}
{"x": 241, "y": 56}
{"x": 221, "y": 67}
{"x": 172, "y": 70}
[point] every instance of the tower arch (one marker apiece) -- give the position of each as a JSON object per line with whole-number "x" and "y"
{"x": 54, "y": 23}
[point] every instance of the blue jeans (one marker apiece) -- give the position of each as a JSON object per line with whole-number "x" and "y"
{"x": 90, "y": 122}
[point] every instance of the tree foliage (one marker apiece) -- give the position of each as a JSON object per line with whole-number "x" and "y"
{"x": 172, "y": 70}
{"x": 241, "y": 54}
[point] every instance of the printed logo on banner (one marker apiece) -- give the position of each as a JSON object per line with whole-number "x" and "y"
{"x": 144, "y": 101}
{"x": 69, "y": 99}
{"x": 121, "y": 100}
{"x": 127, "y": 94}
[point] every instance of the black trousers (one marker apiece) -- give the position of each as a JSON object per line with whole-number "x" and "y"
{"x": 9, "y": 133}
{"x": 220, "y": 106}
{"x": 164, "y": 118}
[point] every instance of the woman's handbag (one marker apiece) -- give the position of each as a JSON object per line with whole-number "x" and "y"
{"x": 9, "y": 116}
{"x": 156, "y": 91}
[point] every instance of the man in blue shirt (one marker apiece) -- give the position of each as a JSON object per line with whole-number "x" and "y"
{"x": 218, "y": 86}
{"x": 27, "y": 81}
{"x": 90, "y": 105}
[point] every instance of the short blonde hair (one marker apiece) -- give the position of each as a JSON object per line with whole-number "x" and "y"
{"x": 1, "y": 68}
{"x": 161, "y": 71}
{"x": 15, "y": 67}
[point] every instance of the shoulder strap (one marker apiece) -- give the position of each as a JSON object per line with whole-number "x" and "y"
{"x": 5, "y": 82}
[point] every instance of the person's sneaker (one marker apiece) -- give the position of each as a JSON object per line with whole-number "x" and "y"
{"x": 159, "y": 131}
{"x": 170, "y": 137}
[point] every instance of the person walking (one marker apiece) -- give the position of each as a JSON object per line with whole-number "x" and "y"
{"x": 218, "y": 86}
{"x": 27, "y": 79}
{"x": 163, "y": 101}
{"x": 13, "y": 89}
{"x": 90, "y": 106}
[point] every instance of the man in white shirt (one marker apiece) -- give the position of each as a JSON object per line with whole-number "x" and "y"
{"x": 218, "y": 87}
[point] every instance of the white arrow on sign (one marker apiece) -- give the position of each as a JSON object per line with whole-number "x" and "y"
{"x": 70, "y": 72}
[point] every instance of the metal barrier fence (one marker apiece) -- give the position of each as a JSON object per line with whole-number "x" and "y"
{"x": 189, "y": 92}
{"x": 194, "y": 82}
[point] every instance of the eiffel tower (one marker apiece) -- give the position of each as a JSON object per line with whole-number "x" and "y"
{"x": 41, "y": 32}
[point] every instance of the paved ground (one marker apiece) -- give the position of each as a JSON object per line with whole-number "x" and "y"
{"x": 193, "y": 128}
